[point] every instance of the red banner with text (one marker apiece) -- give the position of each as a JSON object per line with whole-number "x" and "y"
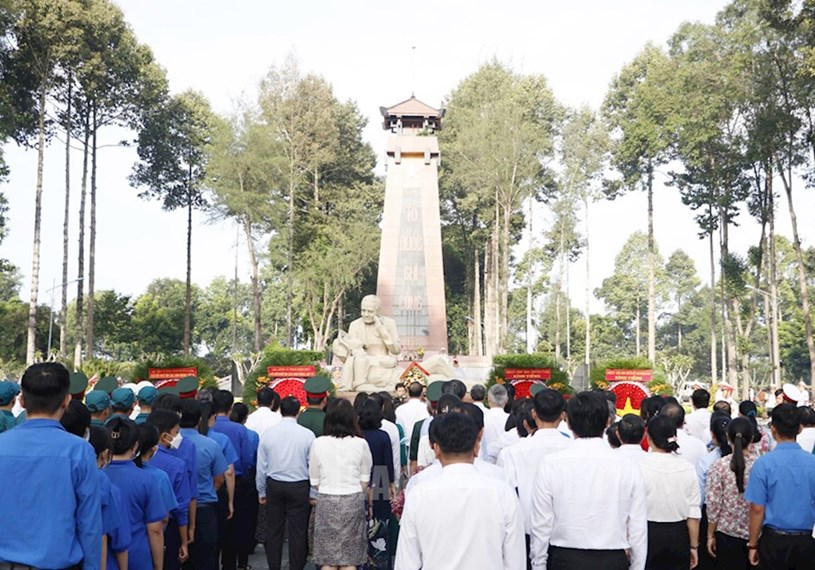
{"x": 528, "y": 374}
{"x": 171, "y": 373}
{"x": 620, "y": 375}
{"x": 291, "y": 371}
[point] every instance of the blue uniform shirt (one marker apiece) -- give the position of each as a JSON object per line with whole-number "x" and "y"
{"x": 186, "y": 453}
{"x": 226, "y": 446}
{"x": 784, "y": 482}
{"x": 254, "y": 441}
{"x": 114, "y": 520}
{"x": 141, "y": 497}
{"x": 211, "y": 463}
{"x": 237, "y": 434}
{"x": 7, "y": 420}
{"x": 166, "y": 488}
{"x": 175, "y": 470}
{"x": 49, "y": 478}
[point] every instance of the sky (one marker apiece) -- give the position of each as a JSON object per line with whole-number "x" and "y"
{"x": 374, "y": 52}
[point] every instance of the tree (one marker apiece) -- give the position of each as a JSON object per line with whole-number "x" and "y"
{"x": 173, "y": 149}
{"x": 498, "y": 138}
{"x": 626, "y": 291}
{"x": 638, "y": 113}
{"x": 682, "y": 283}
{"x": 160, "y": 314}
{"x": 224, "y": 318}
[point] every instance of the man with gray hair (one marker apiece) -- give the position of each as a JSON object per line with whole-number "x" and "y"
{"x": 495, "y": 418}
{"x": 478, "y": 393}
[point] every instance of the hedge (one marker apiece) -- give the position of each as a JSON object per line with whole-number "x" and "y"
{"x": 559, "y": 380}
{"x": 658, "y": 385}
{"x": 275, "y": 355}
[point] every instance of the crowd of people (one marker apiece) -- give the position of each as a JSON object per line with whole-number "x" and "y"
{"x": 428, "y": 478}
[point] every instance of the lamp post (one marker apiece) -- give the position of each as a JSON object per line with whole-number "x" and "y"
{"x": 775, "y": 352}
{"x": 51, "y": 306}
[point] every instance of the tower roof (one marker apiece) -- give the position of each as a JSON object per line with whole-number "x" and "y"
{"x": 411, "y": 108}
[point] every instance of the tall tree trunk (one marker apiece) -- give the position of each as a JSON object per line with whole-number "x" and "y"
{"x": 587, "y": 356}
{"x": 568, "y": 322}
{"x": 729, "y": 309}
{"x": 341, "y": 313}
{"x": 235, "y": 293}
{"x": 652, "y": 327}
{"x": 802, "y": 278}
{"x": 188, "y": 290}
{"x": 503, "y": 283}
{"x": 773, "y": 282}
{"x": 557, "y": 322}
{"x": 289, "y": 263}
{"x": 80, "y": 270}
{"x": 31, "y": 329}
{"x": 637, "y": 326}
{"x": 63, "y": 311}
{"x": 92, "y": 241}
{"x": 713, "y": 344}
{"x": 253, "y": 260}
{"x": 679, "y": 326}
{"x": 530, "y": 344}
{"x": 478, "y": 340}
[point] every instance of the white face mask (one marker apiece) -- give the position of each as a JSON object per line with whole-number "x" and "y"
{"x": 87, "y": 436}
{"x": 176, "y": 442}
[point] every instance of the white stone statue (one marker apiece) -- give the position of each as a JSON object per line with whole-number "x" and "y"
{"x": 369, "y": 350}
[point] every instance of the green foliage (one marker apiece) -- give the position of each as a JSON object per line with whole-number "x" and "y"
{"x": 598, "y": 372}
{"x": 206, "y": 378}
{"x": 501, "y": 362}
{"x": 275, "y": 355}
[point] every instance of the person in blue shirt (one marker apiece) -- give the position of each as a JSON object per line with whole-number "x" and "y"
{"x": 8, "y": 394}
{"x": 212, "y": 468}
{"x": 145, "y": 397}
{"x": 186, "y": 452}
{"x": 148, "y": 444}
{"x": 98, "y": 404}
{"x": 141, "y": 496}
{"x": 175, "y": 535}
{"x": 122, "y": 402}
{"x": 246, "y": 496}
{"x": 49, "y": 476}
{"x": 781, "y": 493}
{"x": 115, "y": 524}
{"x": 282, "y": 484}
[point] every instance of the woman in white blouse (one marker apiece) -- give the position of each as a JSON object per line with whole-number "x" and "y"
{"x": 340, "y": 468}
{"x": 673, "y": 501}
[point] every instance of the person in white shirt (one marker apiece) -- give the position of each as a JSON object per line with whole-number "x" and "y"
{"x": 588, "y": 501}
{"x": 806, "y": 439}
{"x": 477, "y": 394}
{"x": 691, "y": 449}
{"x": 435, "y": 468}
{"x": 630, "y": 431}
{"x": 267, "y": 414}
{"x": 494, "y": 422}
{"x": 522, "y": 460}
{"x": 390, "y": 428}
{"x": 674, "y": 502}
{"x": 697, "y": 423}
{"x": 426, "y": 455}
{"x": 413, "y": 410}
{"x": 460, "y": 519}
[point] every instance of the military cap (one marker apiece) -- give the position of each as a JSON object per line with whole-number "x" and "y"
{"x": 187, "y": 387}
{"x": 97, "y": 401}
{"x": 107, "y": 384}
{"x": 434, "y": 391}
{"x": 168, "y": 389}
{"x": 8, "y": 390}
{"x": 147, "y": 394}
{"x": 317, "y": 387}
{"x": 78, "y": 383}
{"x": 791, "y": 394}
{"x": 535, "y": 388}
{"x": 122, "y": 398}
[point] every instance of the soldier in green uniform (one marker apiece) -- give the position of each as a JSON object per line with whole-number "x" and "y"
{"x": 433, "y": 393}
{"x": 8, "y": 392}
{"x": 313, "y": 416}
{"x": 98, "y": 404}
{"x": 145, "y": 398}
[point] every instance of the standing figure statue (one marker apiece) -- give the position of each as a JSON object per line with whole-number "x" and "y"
{"x": 369, "y": 350}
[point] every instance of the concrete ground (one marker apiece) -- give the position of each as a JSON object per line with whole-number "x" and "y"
{"x": 258, "y": 560}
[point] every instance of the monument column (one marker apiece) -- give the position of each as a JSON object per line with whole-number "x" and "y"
{"x": 410, "y": 282}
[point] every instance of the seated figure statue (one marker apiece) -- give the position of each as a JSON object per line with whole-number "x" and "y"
{"x": 369, "y": 350}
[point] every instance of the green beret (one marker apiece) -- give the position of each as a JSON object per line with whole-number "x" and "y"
{"x": 97, "y": 401}
{"x": 317, "y": 386}
{"x": 434, "y": 390}
{"x": 8, "y": 390}
{"x": 168, "y": 389}
{"x": 122, "y": 398}
{"x": 147, "y": 395}
{"x": 78, "y": 383}
{"x": 107, "y": 384}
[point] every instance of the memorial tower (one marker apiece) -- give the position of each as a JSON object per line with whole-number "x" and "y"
{"x": 410, "y": 282}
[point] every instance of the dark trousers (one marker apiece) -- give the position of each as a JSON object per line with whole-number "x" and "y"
{"x": 731, "y": 552}
{"x": 239, "y": 531}
{"x": 172, "y": 543}
{"x": 575, "y": 559}
{"x": 287, "y": 504}
{"x": 706, "y": 562}
{"x": 668, "y": 546}
{"x": 786, "y": 551}
{"x": 204, "y": 551}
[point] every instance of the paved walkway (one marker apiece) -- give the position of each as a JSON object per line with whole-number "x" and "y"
{"x": 258, "y": 560}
